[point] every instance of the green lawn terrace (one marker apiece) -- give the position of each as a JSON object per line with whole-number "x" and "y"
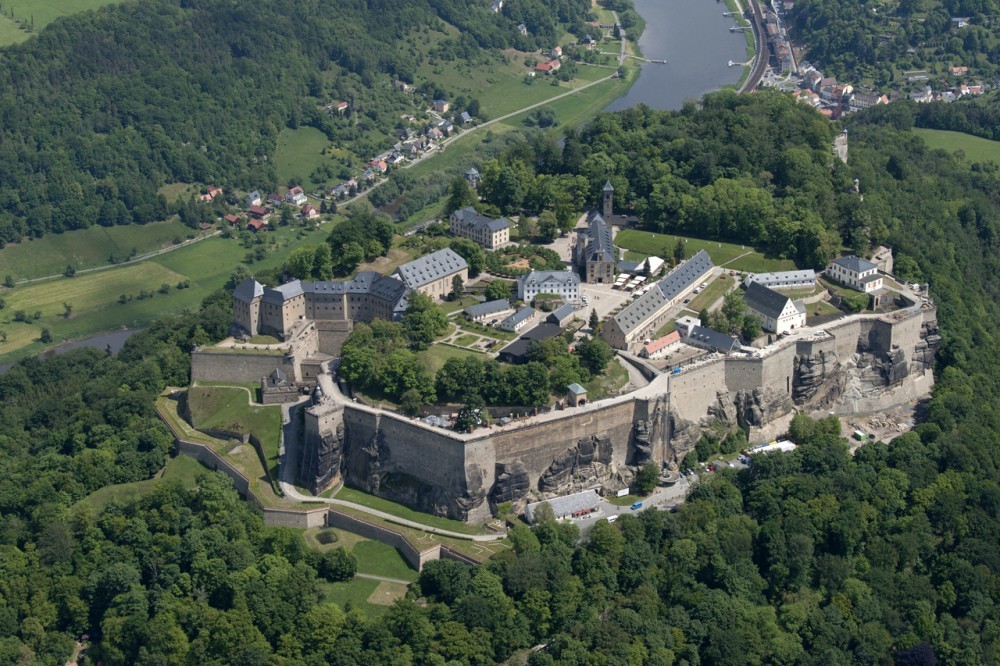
{"x": 731, "y": 256}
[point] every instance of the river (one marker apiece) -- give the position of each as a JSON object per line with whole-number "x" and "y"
{"x": 693, "y": 37}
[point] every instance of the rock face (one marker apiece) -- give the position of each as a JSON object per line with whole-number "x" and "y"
{"x": 684, "y": 435}
{"x": 323, "y": 452}
{"x": 582, "y": 465}
{"x": 512, "y": 483}
{"x": 760, "y": 406}
{"x": 643, "y": 450}
{"x": 811, "y": 373}
{"x": 926, "y": 347}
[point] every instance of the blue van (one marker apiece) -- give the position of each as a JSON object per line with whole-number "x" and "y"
{"x": 637, "y": 505}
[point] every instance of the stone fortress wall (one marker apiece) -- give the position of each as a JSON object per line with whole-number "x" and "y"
{"x": 862, "y": 364}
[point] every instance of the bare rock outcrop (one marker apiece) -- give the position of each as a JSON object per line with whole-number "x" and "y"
{"x": 760, "y": 406}
{"x": 512, "y": 483}
{"x": 810, "y": 375}
{"x": 586, "y": 463}
{"x": 926, "y": 347}
{"x": 684, "y": 435}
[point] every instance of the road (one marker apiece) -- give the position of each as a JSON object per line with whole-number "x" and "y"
{"x": 760, "y": 55}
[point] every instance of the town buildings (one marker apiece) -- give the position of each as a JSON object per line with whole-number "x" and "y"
{"x": 779, "y": 313}
{"x": 564, "y": 284}
{"x": 594, "y": 251}
{"x": 856, "y": 273}
{"x": 433, "y": 274}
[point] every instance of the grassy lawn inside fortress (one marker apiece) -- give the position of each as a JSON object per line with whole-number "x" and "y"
{"x": 728, "y": 255}
{"x": 403, "y": 511}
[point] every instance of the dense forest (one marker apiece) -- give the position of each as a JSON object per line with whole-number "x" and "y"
{"x": 815, "y": 557}
{"x": 859, "y": 42}
{"x": 102, "y": 108}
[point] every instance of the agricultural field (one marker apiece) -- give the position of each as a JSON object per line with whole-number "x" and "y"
{"x": 37, "y": 14}
{"x": 95, "y": 297}
{"x": 728, "y": 255}
{"x": 87, "y": 248}
{"x": 976, "y": 149}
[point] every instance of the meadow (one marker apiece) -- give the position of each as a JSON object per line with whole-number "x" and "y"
{"x": 976, "y": 149}
{"x": 299, "y": 152}
{"x": 728, "y": 255}
{"x": 86, "y": 248}
{"x": 38, "y": 14}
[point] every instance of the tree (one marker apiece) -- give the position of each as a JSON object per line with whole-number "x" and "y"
{"x": 498, "y": 289}
{"x": 423, "y": 321}
{"x": 548, "y": 225}
{"x": 67, "y": 309}
{"x": 70, "y": 271}
{"x": 322, "y": 268}
{"x": 543, "y": 513}
{"x": 457, "y": 288}
{"x": 647, "y": 478}
{"x": 751, "y": 329}
{"x": 595, "y": 354}
{"x": 594, "y": 320}
{"x": 337, "y": 565}
{"x": 460, "y": 195}
{"x": 473, "y": 254}
{"x": 3, "y": 336}
{"x": 411, "y": 401}
{"x": 46, "y": 336}
{"x": 301, "y": 261}
{"x": 9, "y": 282}
{"x": 679, "y": 251}
{"x": 286, "y": 217}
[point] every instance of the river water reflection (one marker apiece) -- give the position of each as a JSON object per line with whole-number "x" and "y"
{"x": 693, "y": 37}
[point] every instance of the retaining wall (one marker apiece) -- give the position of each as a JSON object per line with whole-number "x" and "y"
{"x": 415, "y": 557}
{"x": 236, "y": 367}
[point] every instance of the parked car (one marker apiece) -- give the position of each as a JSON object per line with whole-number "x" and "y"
{"x": 613, "y": 518}
{"x": 636, "y": 506}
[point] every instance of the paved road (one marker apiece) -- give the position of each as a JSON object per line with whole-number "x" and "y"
{"x": 388, "y": 580}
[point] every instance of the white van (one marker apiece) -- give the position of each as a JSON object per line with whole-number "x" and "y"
{"x": 613, "y": 518}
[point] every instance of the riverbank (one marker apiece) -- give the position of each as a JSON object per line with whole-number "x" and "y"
{"x": 740, "y": 18}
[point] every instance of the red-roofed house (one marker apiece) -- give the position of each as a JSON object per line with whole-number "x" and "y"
{"x": 232, "y": 219}
{"x": 259, "y": 213}
{"x": 309, "y": 212}
{"x": 296, "y": 196}
{"x": 256, "y": 225}
{"x": 550, "y": 67}
{"x": 379, "y": 165}
{"x": 661, "y": 346}
{"x": 211, "y": 194}
{"x": 342, "y": 106}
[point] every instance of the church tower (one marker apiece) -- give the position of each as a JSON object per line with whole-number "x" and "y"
{"x": 609, "y": 195}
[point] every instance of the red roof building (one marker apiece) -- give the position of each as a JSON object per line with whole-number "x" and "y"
{"x": 258, "y": 212}
{"x": 256, "y": 225}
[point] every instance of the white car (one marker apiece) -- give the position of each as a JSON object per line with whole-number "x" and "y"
{"x": 613, "y": 518}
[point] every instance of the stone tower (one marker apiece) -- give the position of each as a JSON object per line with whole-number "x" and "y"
{"x": 609, "y": 195}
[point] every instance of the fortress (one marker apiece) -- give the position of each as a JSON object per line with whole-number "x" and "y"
{"x": 857, "y": 364}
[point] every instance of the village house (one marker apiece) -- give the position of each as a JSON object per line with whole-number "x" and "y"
{"x": 259, "y": 213}
{"x": 296, "y": 196}
{"x": 490, "y": 233}
{"x": 257, "y": 224}
{"x": 378, "y": 166}
{"x": 523, "y": 29}
{"x": 564, "y": 284}
{"x": 550, "y": 67}
{"x": 496, "y": 6}
{"x": 309, "y": 212}
{"x": 254, "y": 199}
{"x": 465, "y": 118}
{"x": 275, "y": 199}
{"x": 778, "y": 313}
{"x": 210, "y": 195}
{"x": 856, "y": 273}
{"x": 556, "y": 53}
{"x": 232, "y": 219}
{"x": 441, "y": 106}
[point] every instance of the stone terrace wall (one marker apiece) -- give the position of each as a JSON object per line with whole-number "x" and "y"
{"x": 416, "y": 558}
{"x": 694, "y": 389}
{"x": 236, "y": 367}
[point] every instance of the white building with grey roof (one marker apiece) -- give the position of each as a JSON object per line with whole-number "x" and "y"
{"x": 805, "y": 279}
{"x": 856, "y": 273}
{"x": 564, "y": 284}
{"x": 779, "y": 314}
{"x": 481, "y": 312}
{"x": 489, "y": 232}
{"x": 645, "y": 315}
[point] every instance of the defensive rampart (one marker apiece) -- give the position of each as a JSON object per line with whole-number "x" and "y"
{"x": 238, "y": 367}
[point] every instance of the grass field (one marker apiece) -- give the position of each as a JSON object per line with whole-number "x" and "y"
{"x": 299, "y": 152}
{"x": 181, "y": 468}
{"x": 730, "y": 255}
{"x": 608, "y": 384}
{"x": 403, "y": 511}
{"x": 436, "y": 355}
{"x": 86, "y": 248}
{"x": 976, "y": 149}
{"x": 371, "y": 596}
{"x": 715, "y": 290}
{"x": 42, "y": 12}
{"x": 381, "y": 559}
{"x": 94, "y": 296}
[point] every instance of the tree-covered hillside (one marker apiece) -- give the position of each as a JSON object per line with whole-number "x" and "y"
{"x": 818, "y": 557}
{"x": 102, "y": 108}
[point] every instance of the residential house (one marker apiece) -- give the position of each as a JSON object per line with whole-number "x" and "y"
{"x": 779, "y": 314}
{"x": 379, "y": 166}
{"x": 518, "y": 320}
{"x": 496, "y": 6}
{"x": 661, "y": 346}
{"x": 556, "y": 53}
{"x": 856, "y": 273}
{"x": 432, "y": 274}
{"x": 523, "y": 29}
{"x": 589, "y": 42}
{"x": 441, "y": 106}
{"x": 232, "y": 219}
{"x": 959, "y": 71}
{"x": 402, "y": 85}
{"x": 465, "y": 118}
{"x": 211, "y": 194}
{"x": 257, "y": 225}
{"x": 395, "y": 158}
{"x": 483, "y": 312}
{"x": 340, "y": 107}
{"x": 254, "y": 199}
{"x": 339, "y": 191}
{"x": 259, "y": 213}
{"x": 296, "y": 196}
{"x": 490, "y": 233}
{"x": 445, "y": 126}
{"x": 564, "y": 284}
{"x": 309, "y": 212}
{"x": 550, "y": 67}
{"x": 275, "y": 200}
